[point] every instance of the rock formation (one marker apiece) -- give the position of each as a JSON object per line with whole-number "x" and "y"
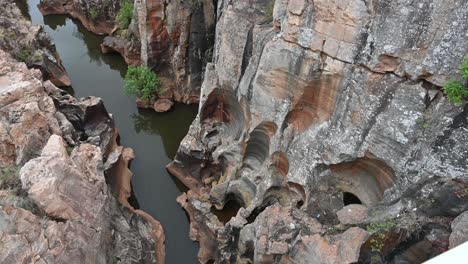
{"x": 30, "y": 44}
{"x": 97, "y": 16}
{"x": 309, "y": 106}
{"x": 58, "y": 207}
{"x": 174, "y": 38}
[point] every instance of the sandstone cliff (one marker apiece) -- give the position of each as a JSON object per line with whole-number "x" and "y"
{"x": 311, "y": 107}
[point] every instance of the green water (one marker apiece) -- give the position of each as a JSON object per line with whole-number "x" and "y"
{"x": 154, "y": 137}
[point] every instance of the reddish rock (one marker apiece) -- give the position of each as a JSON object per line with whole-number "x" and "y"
{"x": 163, "y": 105}
{"x": 352, "y": 214}
{"x": 143, "y": 103}
{"x": 342, "y": 248}
{"x": 130, "y": 54}
{"x": 103, "y": 23}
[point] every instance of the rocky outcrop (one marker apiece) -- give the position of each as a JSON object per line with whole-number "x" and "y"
{"x": 459, "y": 230}
{"x": 30, "y": 44}
{"x": 174, "y": 38}
{"x": 128, "y": 51}
{"x": 177, "y": 42}
{"x": 97, "y": 16}
{"x": 315, "y": 105}
{"x": 59, "y": 208}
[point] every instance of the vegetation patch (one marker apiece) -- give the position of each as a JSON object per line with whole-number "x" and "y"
{"x": 9, "y": 178}
{"x": 93, "y": 12}
{"x": 269, "y": 11}
{"x": 25, "y": 54}
{"x": 142, "y": 82}
{"x": 456, "y": 90}
{"x": 125, "y": 15}
{"x": 378, "y": 232}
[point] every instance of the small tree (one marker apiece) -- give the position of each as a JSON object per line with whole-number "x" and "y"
{"x": 456, "y": 90}
{"x": 142, "y": 82}
{"x": 125, "y": 15}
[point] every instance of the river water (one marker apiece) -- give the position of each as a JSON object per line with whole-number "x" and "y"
{"x": 154, "y": 137}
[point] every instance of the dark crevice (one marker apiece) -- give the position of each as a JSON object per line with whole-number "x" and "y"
{"x": 247, "y": 52}
{"x": 230, "y": 209}
{"x": 349, "y": 198}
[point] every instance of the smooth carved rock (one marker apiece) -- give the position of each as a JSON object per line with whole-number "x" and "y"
{"x": 353, "y": 88}
{"x": 352, "y": 214}
{"x": 123, "y": 47}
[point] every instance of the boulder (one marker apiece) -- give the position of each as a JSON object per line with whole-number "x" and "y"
{"x": 459, "y": 233}
{"x": 352, "y": 214}
{"x": 163, "y": 105}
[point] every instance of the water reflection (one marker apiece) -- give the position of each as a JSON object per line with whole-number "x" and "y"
{"x": 176, "y": 125}
{"x": 55, "y": 22}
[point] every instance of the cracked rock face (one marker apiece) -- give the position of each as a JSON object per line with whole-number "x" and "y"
{"x": 311, "y": 106}
{"x": 59, "y": 208}
{"x": 30, "y": 44}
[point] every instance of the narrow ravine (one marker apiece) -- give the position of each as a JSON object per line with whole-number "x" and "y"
{"x": 154, "y": 137}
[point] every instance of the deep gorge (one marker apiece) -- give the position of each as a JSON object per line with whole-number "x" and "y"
{"x": 325, "y": 132}
{"x": 154, "y": 137}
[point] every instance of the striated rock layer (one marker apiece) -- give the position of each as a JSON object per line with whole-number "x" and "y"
{"x": 310, "y": 106}
{"x": 55, "y": 157}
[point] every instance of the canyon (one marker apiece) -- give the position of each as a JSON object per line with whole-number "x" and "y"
{"x": 323, "y": 134}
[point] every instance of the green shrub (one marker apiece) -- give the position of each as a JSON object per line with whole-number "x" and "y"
{"x": 456, "y": 90}
{"x": 93, "y": 13}
{"x": 25, "y": 54}
{"x": 9, "y": 178}
{"x": 464, "y": 68}
{"x": 125, "y": 15}
{"x": 142, "y": 82}
{"x": 378, "y": 230}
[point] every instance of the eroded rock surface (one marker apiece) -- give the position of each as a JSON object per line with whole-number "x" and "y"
{"x": 174, "y": 38}
{"x": 30, "y": 44}
{"x": 311, "y": 106}
{"x": 177, "y": 41}
{"x": 59, "y": 208}
{"x": 97, "y": 16}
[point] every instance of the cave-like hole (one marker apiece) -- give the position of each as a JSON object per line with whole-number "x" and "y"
{"x": 349, "y": 198}
{"x": 229, "y": 210}
{"x": 299, "y": 204}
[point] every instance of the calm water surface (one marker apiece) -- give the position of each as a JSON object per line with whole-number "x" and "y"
{"x": 154, "y": 137}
